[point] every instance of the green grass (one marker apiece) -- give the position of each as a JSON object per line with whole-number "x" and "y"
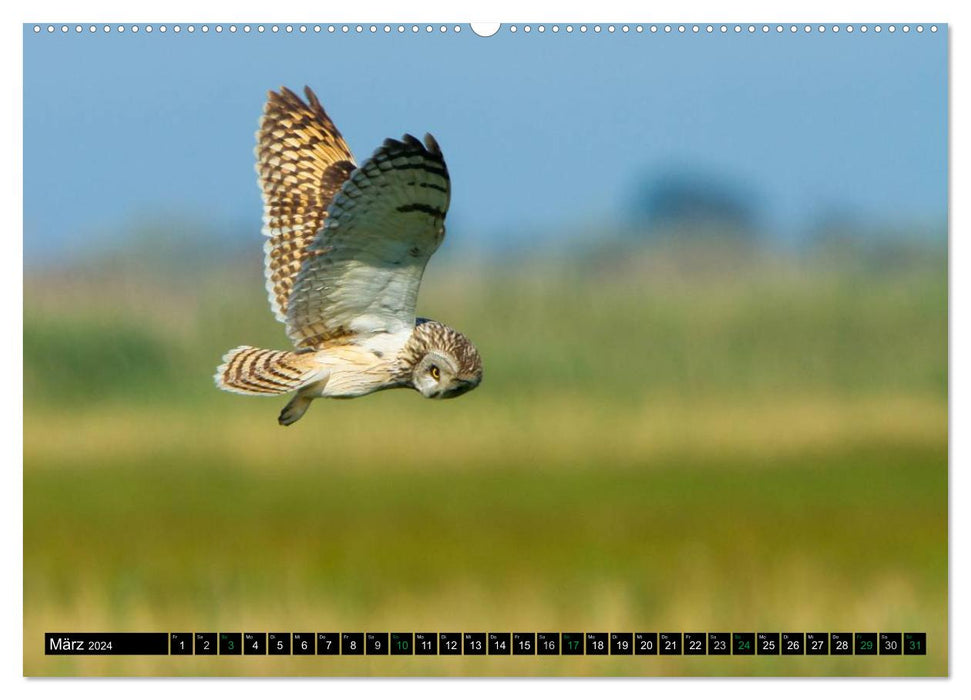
{"x": 761, "y": 449}
{"x": 854, "y": 541}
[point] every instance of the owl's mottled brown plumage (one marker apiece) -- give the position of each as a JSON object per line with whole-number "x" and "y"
{"x": 302, "y": 161}
{"x": 347, "y": 247}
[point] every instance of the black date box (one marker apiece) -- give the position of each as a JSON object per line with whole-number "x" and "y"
{"x": 793, "y": 643}
{"x": 180, "y": 643}
{"x": 254, "y": 643}
{"x": 597, "y": 644}
{"x": 230, "y": 643}
{"x": 891, "y": 643}
{"x": 694, "y": 643}
{"x": 426, "y": 643}
{"x": 402, "y": 644}
{"x": 645, "y": 643}
{"x": 376, "y": 643}
{"x": 303, "y": 643}
{"x": 207, "y": 644}
{"x": 474, "y": 643}
{"x": 669, "y": 643}
{"x": 865, "y": 643}
{"x": 719, "y": 643}
{"x": 548, "y": 643}
{"x": 817, "y": 643}
{"x": 524, "y": 643}
{"x": 841, "y": 643}
{"x": 450, "y": 644}
{"x": 352, "y": 644}
{"x": 767, "y": 643}
{"x": 621, "y": 643}
{"x": 328, "y": 643}
{"x": 743, "y": 643}
{"x": 500, "y": 644}
{"x": 572, "y": 644}
{"x": 278, "y": 643}
{"x": 915, "y": 643}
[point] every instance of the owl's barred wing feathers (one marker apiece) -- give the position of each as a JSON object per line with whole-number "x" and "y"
{"x": 302, "y": 161}
{"x": 361, "y": 273}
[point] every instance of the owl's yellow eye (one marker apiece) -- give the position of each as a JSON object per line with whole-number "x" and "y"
{"x": 436, "y": 374}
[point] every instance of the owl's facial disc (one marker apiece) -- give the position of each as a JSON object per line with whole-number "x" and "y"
{"x": 437, "y": 377}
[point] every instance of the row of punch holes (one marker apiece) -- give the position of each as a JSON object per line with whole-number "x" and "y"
{"x": 488, "y": 31}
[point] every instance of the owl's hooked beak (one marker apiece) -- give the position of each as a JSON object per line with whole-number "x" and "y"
{"x": 461, "y": 386}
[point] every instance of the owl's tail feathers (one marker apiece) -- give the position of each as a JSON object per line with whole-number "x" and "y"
{"x": 258, "y": 372}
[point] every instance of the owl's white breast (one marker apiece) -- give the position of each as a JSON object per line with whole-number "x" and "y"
{"x": 361, "y": 367}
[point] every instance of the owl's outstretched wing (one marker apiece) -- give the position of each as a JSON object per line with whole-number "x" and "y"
{"x": 361, "y": 273}
{"x": 302, "y": 161}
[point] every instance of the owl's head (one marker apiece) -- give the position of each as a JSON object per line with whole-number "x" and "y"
{"x": 446, "y": 363}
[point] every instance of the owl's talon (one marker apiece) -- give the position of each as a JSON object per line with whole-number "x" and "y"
{"x": 294, "y": 410}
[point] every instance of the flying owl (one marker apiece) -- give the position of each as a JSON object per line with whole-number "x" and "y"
{"x": 346, "y": 249}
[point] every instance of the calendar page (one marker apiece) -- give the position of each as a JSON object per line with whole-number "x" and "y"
{"x": 546, "y": 349}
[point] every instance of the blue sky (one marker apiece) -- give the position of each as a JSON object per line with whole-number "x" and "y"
{"x": 541, "y": 132}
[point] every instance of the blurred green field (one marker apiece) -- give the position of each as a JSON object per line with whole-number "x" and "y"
{"x": 664, "y": 440}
